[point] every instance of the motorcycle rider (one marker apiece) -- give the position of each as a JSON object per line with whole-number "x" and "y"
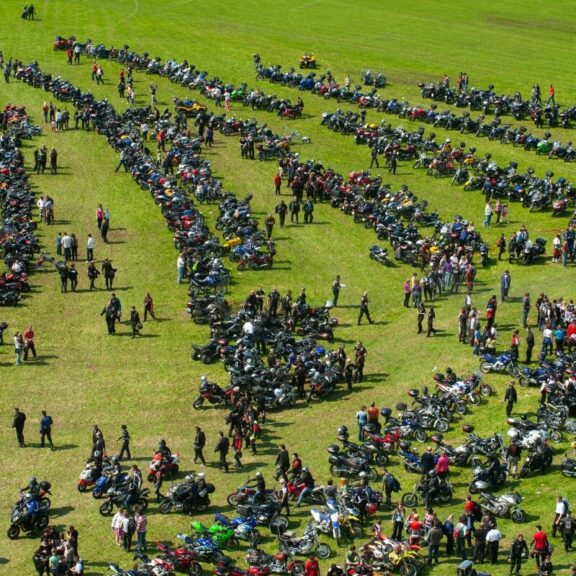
{"x": 134, "y": 486}
{"x": 282, "y": 462}
{"x": 260, "y": 494}
{"x": 163, "y": 450}
{"x": 430, "y": 486}
{"x": 32, "y": 489}
{"x": 308, "y": 481}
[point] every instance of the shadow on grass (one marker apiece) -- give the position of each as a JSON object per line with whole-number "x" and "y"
{"x": 62, "y": 511}
{"x": 4, "y": 561}
{"x": 110, "y": 242}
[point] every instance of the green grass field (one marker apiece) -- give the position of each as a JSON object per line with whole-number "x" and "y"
{"x": 82, "y": 377}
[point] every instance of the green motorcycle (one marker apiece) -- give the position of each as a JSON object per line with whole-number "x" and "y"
{"x": 222, "y": 536}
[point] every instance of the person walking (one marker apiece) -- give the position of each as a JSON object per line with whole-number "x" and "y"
{"x": 501, "y": 245}
{"x": 109, "y": 272}
{"x": 53, "y": 161}
{"x": 559, "y": 514}
{"x": 140, "y": 525}
{"x": 104, "y": 230}
{"x": 505, "y": 281}
{"x": 510, "y": 397}
{"x": 269, "y": 225}
{"x": 199, "y": 443}
{"x": 539, "y": 545}
{"x": 125, "y": 448}
{"x": 336, "y": 286}
{"x": 29, "y": 345}
{"x": 46, "y": 424}
{"x": 222, "y": 447}
{"x": 93, "y": 273}
{"x": 421, "y": 315}
{"x": 567, "y": 527}
{"x": 364, "y": 311}
{"x": 148, "y": 307}
{"x": 277, "y": 184}
{"x": 18, "y": 425}
{"x": 518, "y": 551}
{"x": 431, "y": 318}
{"x": 110, "y": 315}
{"x": 281, "y": 209}
{"x": 135, "y": 322}
{"x": 487, "y": 214}
{"x": 90, "y": 245}
{"x": 18, "y": 347}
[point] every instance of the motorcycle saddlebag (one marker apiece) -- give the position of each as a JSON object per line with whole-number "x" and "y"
{"x": 244, "y": 510}
{"x": 277, "y": 528}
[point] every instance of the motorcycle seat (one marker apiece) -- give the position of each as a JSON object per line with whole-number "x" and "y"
{"x": 280, "y": 556}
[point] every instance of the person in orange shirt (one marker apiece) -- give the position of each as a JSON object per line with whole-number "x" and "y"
{"x": 373, "y": 415}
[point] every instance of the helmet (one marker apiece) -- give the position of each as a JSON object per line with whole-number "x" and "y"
{"x": 512, "y": 434}
{"x": 201, "y": 476}
{"x": 114, "y": 459}
{"x": 363, "y": 475}
{"x": 449, "y": 370}
{"x": 304, "y": 469}
{"x": 448, "y": 140}
{"x": 371, "y": 508}
{"x": 236, "y": 389}
{"x": 258, "y": 474}
{"x": 432, "y": 473}
{"x": 472, "y": 149}
{"x": 162, "y": 442}
{"x": 203, "y": 379}
{"x": 33, "y": 480}
{"x": 386, "y": 412}
{"x": 468, "y": 428}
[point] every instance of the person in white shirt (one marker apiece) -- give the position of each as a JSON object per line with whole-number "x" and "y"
{"x": 560, "y": 514}
{"x": 487, "y": 214}
{"x": 41, "y": 207}
{"x": 493, "y": 542}
{"x": 116, "y": 526}
{"x": 90, "y": 244}
{"x": 67, "y": 246}
{"x": 126, "y": 530}
{"x": 181, "y": 268}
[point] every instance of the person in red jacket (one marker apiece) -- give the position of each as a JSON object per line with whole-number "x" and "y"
{"x": 443, "y": 466}
{"x": 312, "y": 568}
{"x": 277, "y": 184}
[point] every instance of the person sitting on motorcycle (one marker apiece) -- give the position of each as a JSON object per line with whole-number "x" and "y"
{"x": 134, "y": 486}
{"x": 260, "y": 484}
{"x": 163, "y": 450}
{"x": 32, "y": 488}
{"x": 330, "y": 491}
{"x": 114, "y": 467}
{"x": 450, "y": 377}
{"x": 493, "y": 469}
{"x": 432, "y": 485}
{"x": 308, "y": 481}
{"x": 335, "y": 570}
{"x": 31, "y": 508}
{"x": 352, "y": 558}
{"x": 296, "y": 469}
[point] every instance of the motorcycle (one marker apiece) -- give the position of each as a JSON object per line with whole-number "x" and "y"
{"x": 346, "y": 465}
{"x": 380, "y": 255}
{"x": 483, "y": 479}
{"x": 308, "y": 543}
{"x": 315, "y": 497}
{"x": 168, "y": 466}
{"x": 505, "y": 505}
{"x": 568, "y": 466}
{"x": 442, "y": 494}
{"x": 201, "y": 549}
{"x": 537, "y": 460}
{"x": 20, "y": 522}
{"x": 222, "y": 536}
{"x": 281, "y": 563}
{"x": 244, "y": 528}
{"x": 213, "y": 393}
{"x": 264, "y": 514}
{"x": 458, "y": 456}
{"x": 117, "y": 497}
{"x": 226, "y": 568}
{"x": 245, "y": 494}
{"x": 182, "y": 559}
{"x": 502, "y": 363}
{"x": 184, "y": 497}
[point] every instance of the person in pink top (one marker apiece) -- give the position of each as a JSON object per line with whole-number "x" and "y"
{"x": 443, "y": 466}
{"x": 407, "y": 291}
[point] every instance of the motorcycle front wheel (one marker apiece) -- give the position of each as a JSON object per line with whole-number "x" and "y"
{"x": 474, "y": 399}
{"x": 81, "y": 487}
{"x": 441, "y": 425}
{"x": 355, "y": 529}
{"x": 420, "y": 435}
{"x": 408, "y": 569}
{"x": 194, "y": 569}
{"x": 253, "y": 537}
{"x": 518, "y": 516}
{"x": 198, "y": 403}
{"x": 165, "y": 506}
{"x": 232, "y": 544}
{"x": 410, "y": 500}
{"x": 485, "y": 389}
{"x": 13, "y": 532}
{"x": 232, "y": 500}
{"x": 382, "y": 460}
{"x": 513, "y": 370}
{"x": 445, "y": 496}
{"x": 106, "y": 508}
{"x": 525, "y": 382}
{"x": 485, "y": 367}
{"x": 323, "y": 551}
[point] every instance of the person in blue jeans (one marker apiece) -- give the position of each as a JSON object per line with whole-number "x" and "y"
{"x": 362, "y": 419}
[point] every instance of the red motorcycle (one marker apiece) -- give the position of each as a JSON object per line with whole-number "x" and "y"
{"x": 245, "y": 494}
{"x": 213, "y": 393}
{"x": 226, "y": 568}
{"x": 316, "y": 497}
{"x": 281, "y": 563}
{"x": 182, "y": 558}
{"x": 256, "y": 261}
{"x": 169, "y": 467}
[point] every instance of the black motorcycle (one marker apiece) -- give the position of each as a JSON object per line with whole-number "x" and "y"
{"x": 20, "y": 521}
{"x": 117, "y": 497}
{"x": 186, "y": 498}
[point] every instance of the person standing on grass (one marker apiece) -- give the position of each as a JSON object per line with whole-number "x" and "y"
{"x": 110, "y": 314}
{"x": 539, "y": 545}
{"x": 431, "y": 318}
{"x": 336, "y": 287}
{"x": 108, "y": 271}
{"x": 277, "y": 184}
{"x": 90, "y": 245}
{"x": 222, "y": 447}
{"x": 529, "y": 345}
{"x": 46, "y": 424}
{"x": 518, "y": 551}
{"x": 510, "y": 397}
{"x": 567, "y": 527}
{"x": 180, "y": 268}
{"x": 53, "y": 161}
{"x": 141, "y": 525}
{"x": 487, "y": 214}
{"x": 125, "y": 449}
{"x": 135, "y": 322}
{"x": 148, "y": 307}
{"x": 93, "y": 273}
{"x": 505, "y": 281}
{"x": 199, "y": 443}
{"x": 18, "y": 425}
{"x": 104, "y": 230}
{"x": 421, "y": 315}
{"x": 269, "y": 224}
{"x": 364, "y": 311}
{"x": 18, "y": 347}
{"x": 29, "y": 343}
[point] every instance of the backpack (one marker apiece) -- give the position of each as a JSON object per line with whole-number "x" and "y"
{"x": 477, "y": 512}
{"x": 566, "y": 506}
{"x": 393, "y": 484}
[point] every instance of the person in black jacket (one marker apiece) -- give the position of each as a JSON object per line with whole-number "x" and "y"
{"x": 518, "y": 551}
{"x": 18, "y": 425}
{"x": 135, "y": 322}
{"x": 510, "y": 397}
{"x": 223, "y": 446}
{"x": 364, "y": 309}
{"x": 125, "y": 437}
{"x": 427, "y": 461}
{"x": 282, "y": 462}
{"x": 281, "y": 209}
{"x": 199, "y": 443}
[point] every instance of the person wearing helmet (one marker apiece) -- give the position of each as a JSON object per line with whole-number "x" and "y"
{"x": 32, "y": 488}
{"x": 163, "y": 450}
{"x": 260, "y": 484}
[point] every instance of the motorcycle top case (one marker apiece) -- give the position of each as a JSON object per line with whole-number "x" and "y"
{"x": 277, "y": 528}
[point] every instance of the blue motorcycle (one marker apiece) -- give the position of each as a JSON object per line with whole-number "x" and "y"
{"x": 244, "y": 528}
{"x": 104, "y": 482}
{"x": 502, "y": 363}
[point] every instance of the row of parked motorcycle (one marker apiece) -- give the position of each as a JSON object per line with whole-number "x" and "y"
{"x": 18, "y": 243}
{"x": 463, "y": 165}
{"x": 490, "y": 102}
